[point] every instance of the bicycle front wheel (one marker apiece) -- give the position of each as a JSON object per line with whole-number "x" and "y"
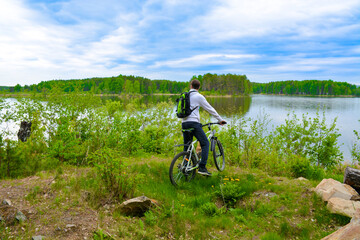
{"x": 219, "y": 157}
{"x": 179, "y": 169}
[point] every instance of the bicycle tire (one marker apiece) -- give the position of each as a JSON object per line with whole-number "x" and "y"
{"x": 176, "y": 170}
{"x": 219, "y": 156}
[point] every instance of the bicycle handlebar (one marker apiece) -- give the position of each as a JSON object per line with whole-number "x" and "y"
{"x": 209, "y": 124}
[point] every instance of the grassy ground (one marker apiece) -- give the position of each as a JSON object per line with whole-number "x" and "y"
{"x": 68, "y": 203}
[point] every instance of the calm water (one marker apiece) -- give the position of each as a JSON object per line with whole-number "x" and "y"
{"x": 346, "y": 110}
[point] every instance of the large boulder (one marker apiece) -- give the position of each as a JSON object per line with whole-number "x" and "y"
{"x": 349, "y": 232}
{"x": 330, "y": 188}
{"x": 136, "y": 206}
{"x": 352, "y": 178}
{"x": 343, "y": 207}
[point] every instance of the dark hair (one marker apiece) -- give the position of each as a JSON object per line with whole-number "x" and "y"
{"x": 195, "y": 84}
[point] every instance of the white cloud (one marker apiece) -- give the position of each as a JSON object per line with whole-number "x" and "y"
{"x": 34, "y": 48}
{"x": 204, "y": 60}
{"x": 175, "y": 39}
{"x": 291, "y": 64}
{"x": 254, "y": 18}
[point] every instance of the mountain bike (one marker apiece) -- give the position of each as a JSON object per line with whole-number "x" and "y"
{"x": 184, "y": 165}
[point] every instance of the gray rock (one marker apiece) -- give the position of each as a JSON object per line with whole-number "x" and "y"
{"x": 70, "y": 226}
{"x": 330, "y": 188}
{"x": 349, "y": 232}
{"x": 20, "y": 216}
{"x": 6, "y": 202}
{"x": 37, "y": 238}
{"x": 136, "y": 206}
{"x": 343, "y": 207}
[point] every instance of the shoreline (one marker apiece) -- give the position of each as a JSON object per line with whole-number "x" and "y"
{"x": 10, "y": 95}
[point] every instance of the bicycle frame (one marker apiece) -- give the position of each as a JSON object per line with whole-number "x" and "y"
{"x": 192, "y": 149}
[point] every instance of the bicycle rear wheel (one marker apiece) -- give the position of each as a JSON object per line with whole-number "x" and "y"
{"x": 178, "y": 173}
{"x": 219, "y": 157}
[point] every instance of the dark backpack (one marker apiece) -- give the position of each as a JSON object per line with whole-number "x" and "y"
{"x": 183, "y": 105}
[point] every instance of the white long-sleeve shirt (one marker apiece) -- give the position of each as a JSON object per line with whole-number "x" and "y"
{"x": 196, "y": 101}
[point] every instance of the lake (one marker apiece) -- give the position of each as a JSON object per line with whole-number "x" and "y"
{"x": 346, "y": 110}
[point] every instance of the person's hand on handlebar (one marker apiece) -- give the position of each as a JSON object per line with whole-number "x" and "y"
{"x": 222, "y": 122}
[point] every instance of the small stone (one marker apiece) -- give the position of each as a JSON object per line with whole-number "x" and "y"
{"x": 6, "y": 202}
{"x": 70, "y": 226}
{"x": 37, "y": 238}
{"x": 136, "y": 206}
{"x": 302, "y": 179}
{"x": 20, "y": 216}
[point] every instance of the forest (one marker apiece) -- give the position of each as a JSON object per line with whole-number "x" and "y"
{"x": 307, "y": 87}
{"x": 216, "y": 84}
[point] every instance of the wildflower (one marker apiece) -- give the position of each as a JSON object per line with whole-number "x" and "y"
{"x": 269, "y": 182}
{"x": 224, "y": 183}
{"x": 237, "y": 179}
{"x": 226, "y": 179}
{"x": 232, "y": 179}
{"x": 182, "y": 205}
{"x": 212, "y": 185}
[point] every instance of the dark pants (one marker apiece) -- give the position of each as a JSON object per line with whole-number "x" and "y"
{"x": 200, "y": 135}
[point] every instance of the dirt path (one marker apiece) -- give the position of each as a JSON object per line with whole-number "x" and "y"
{"x": 50, "y": 213}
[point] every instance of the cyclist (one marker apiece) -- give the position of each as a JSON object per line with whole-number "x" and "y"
{"x": 193, "y": 122}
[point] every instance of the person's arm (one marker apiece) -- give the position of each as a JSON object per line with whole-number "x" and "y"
{"x": 204, "y": 104}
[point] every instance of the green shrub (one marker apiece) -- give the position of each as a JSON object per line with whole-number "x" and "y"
{"x": 210, "y": 209}
{"x": 302, "y": 167}
{"x": 114, "y": 174}
{"x": 233, "y": 189}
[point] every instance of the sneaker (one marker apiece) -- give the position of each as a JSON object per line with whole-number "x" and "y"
{"x": 204, "y": 171}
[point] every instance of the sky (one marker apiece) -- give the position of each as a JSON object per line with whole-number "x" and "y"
{"x": 267, "y": 41}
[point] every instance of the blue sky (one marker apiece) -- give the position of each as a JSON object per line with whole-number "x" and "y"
{"x": 176, "y": 39}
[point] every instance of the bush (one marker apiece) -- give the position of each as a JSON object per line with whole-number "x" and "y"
{"x": 234, "y": 189}
{"x": 210, "y": 209}
{"x": 302, "y": 167}
{"x": 114, "y": 174}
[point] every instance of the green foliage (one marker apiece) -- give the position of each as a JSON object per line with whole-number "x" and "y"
{"x": 210, "y": 209}
{"x": 355, "y": 149}
{"x": 302, "y": 167}
{"x": 101, "y": 235}
{"x": 233, "y": 189}
{"x": 114, "y": 174}
{"x": 311, "y": 138}
{"x": 307, "y": 87}
{"x": 225, "y": 84}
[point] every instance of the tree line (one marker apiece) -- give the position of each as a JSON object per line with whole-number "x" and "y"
{"x": 216, "y": 84}
{"x": 230, "y": 84}
{"x": 225, "y": 84}
{"x": 108, "y": 85}
{"x": 308, "y": 87}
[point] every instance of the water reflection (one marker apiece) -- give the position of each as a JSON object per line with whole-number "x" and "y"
{"x": 227, "y": 106}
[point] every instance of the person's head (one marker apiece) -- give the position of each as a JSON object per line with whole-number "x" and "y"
{"x": 195, "y": 84}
